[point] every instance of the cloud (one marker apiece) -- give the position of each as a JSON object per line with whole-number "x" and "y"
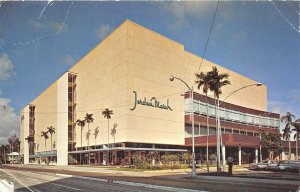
{"x": 6, "y": 67}
{"x": 278, "y": 107}
{"x": 68, "y": 60}
{"x": 56, "y": 27}
{"x": 182, "y": 11}
{"x": 103, "y": 31}
{"x": 9, "y": 121}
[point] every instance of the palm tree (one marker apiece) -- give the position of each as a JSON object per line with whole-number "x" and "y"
{"x": 89, "y": 119}
{"x": 107, "y": 114}
{"x": 217, "y": 81}
{"x": 4, "y": 149}
{"x": 288, "y": 119}
{"x": 96, "y": 132}
{"x": 87, "y": 137}
{"x": 114, "y": 131}
{"x": 296, "y": 126}
{"x": 81, "y": 123}
{"x": 45, "y": 135}
{"x": 30, "y": 139}
{"x": 51, "y": 131}
{"x": 203, "y": 79}
{"x": 13, "y": 141}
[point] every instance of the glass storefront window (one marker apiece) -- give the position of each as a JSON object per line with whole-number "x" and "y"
{"x": 227, "y": 114}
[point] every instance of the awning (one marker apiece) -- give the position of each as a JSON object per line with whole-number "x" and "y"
{"x": 128, "y": 149}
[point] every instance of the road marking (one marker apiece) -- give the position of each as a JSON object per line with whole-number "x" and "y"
{"x": 66, "y": 187}
{"x": 15, "y": 178}
{"x": 149, "y": 186}
{"x": 35, "y": 189}
{"x": 63, "y": 175}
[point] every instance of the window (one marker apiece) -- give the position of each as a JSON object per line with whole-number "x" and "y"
{"x": 228, "y": 131}
{"x": 202, "y": 108}
{"x": 203, "y": 130}
{"x": 222, "y": 113}
{"x": 235, "y": 116}
{"x": 256, "y": 120}
{"x": 196, "y": 107}
{"x": 211, "y": 110}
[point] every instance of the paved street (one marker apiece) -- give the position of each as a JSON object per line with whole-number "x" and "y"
{"x": 72, "y": 178}
{"x": 33, "y": 181}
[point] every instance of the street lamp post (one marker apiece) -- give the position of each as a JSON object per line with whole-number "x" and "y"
{"x": 219, "y": 123}
{"x": 193, "y": 126}
{"x": 260, "y": 130}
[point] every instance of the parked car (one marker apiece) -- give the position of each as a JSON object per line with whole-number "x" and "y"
{"x": 296, "y": 165}
{"x": 272, "y": 165}
{"x": 286, "y": 165}
{"x": 265, "y": 164}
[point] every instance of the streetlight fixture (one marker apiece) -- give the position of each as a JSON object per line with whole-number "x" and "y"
{"x": 219, "y": 123}
{"x": 193, "y": 126}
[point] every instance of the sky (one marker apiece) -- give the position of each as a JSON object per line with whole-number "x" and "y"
{"x": 39, "y": 41}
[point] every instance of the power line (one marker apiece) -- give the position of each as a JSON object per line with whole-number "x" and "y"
{"x": 286, "y": 19}
{"x": 206, "y": 45}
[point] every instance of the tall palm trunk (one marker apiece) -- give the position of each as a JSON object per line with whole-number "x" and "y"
{"x": 218, "y": 138}
{"x": 289, "y": 147}
{"x": 81, "y": 137}
{"x": 81, "y": 146}
{"x": 51, "y": 146}
{"x": 297, "y": 139}
{"x": 45, "y": 144}
{"x": 89, "y": 143}
{"x": 51, "y": 141}
{"x": 108, "y": 141}
{"x": 207, "y": 134}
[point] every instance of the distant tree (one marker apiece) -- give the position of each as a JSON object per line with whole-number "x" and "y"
{"x": 3, "y": 151}
{"x": 287, "y": 119}
{"x": 51, "y": 131}
{"x": 87, "y": 136}
{"x": 13, "y": 142}
{"x": 96, "y": 132}
{"x": 80, "y": 123}
{"x": 89, "y": 119}
{"x": 272, "y": 143}
{"x": 186, "y": 157}
{"x": 152, "y": 156}
{"x": 296, "y": 126}
{"x": 107, "y": 114}
{"x": 45, "y": 135}
{"x": 114, "y": 131}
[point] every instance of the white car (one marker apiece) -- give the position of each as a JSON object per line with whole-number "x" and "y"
{"x": 265, "y": 164}
{"x": 286, "y": 165}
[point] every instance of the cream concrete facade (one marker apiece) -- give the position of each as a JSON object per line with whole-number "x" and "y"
{"x": 62, "y": 120}
{"x": 132, "y": 58}
{"x": 24, "y": 134}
